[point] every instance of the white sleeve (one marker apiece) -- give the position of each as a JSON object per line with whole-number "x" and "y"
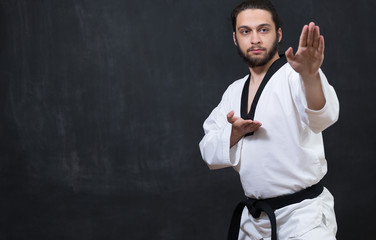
{"x": 215, "y": 145}
{"x": 318, "y": 120}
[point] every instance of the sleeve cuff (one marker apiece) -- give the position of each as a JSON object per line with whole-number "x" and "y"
{"x": 231, "y": 154}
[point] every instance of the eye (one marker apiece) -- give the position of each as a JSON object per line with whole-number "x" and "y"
{"x": 244, "y": 31}
{"x": 264, "y": 30}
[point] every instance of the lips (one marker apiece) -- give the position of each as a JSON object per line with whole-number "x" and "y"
{"x": 256, "y": 50}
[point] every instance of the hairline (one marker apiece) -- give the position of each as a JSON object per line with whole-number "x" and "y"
{"x": 262, "y": 24}
{"x": 269, "y": 7}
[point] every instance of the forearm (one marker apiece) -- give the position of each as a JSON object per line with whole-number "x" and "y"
{"x": 321, "y": 119}
{"x": 313, "y": 91}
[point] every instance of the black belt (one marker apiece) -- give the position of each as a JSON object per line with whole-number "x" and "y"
{"x": 255, "y": 207}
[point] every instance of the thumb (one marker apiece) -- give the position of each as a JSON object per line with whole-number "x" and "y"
{"x": 289, "y": 53}
{"x": 230, "y": 116}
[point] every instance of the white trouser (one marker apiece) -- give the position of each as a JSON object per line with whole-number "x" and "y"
{"x": 311, "y": 219}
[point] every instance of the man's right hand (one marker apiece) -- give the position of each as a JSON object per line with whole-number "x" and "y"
{"x": 240, "y": 127}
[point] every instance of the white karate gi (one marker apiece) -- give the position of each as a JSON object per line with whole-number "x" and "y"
{"x": 284, "y": 156}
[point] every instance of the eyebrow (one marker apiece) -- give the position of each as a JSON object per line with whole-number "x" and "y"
{"x": 261, "y": 25}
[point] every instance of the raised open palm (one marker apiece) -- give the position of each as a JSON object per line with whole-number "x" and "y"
{"x": 310, "y": 54}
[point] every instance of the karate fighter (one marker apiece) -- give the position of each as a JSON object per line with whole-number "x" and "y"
{"x": 268, "y": 128}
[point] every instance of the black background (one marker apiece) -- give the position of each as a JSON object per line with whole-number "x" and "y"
{"x": 102, "y": 104}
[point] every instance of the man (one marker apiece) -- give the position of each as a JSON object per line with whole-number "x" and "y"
{"x": 268, "y": 127}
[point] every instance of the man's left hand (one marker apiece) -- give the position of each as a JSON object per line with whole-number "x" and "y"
{"x": 310, "y": 54}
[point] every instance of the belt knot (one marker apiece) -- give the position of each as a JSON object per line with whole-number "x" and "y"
{"x": 253, "y": 208}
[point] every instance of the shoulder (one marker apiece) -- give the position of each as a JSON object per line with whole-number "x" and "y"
{"x": 234, "y": 89}
{"x": 288, "y": 70}
{"x": 287, "y": 74}
{"x": 238, "y": 84}
{"x": 283, "y": 76}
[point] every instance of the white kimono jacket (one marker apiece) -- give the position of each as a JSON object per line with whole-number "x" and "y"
{"x": 286, "y": 154}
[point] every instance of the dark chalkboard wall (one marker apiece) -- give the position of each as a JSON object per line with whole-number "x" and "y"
{"x": 101, "y": 111}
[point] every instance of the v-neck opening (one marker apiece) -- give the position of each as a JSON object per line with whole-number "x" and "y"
{"x": 277, "y": 64}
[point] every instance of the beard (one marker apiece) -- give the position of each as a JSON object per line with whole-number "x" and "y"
{"x": 257, "y": 62}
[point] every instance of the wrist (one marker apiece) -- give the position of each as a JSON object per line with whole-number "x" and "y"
{"x": 310, "y": 79}
{"x": 236, "y": 135}
{"x": 309, "y": 76}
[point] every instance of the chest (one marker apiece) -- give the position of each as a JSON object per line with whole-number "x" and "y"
{"x": 253, "y": 87}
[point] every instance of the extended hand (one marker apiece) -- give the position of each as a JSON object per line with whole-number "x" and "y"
{"x": 310, "y": 54}
{"x": 240, "y": 127}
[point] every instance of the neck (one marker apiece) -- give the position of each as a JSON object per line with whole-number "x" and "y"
{"x": 258, "y": 73}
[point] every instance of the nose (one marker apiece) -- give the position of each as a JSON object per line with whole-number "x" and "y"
{"x": 255, "y": 38}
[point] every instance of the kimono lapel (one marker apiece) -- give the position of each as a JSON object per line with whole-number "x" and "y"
{"x": 244, "y": 99}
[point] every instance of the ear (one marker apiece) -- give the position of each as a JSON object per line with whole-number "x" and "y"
{"x": 279, "y": 33}
{"x": 234, "y": 39}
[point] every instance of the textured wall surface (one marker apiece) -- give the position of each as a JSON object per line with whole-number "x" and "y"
{"x": 101, "y": 111}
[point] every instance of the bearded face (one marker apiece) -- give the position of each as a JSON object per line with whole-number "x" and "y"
{"x": 256, "y": 37}
{"x": 261, "y": 59}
